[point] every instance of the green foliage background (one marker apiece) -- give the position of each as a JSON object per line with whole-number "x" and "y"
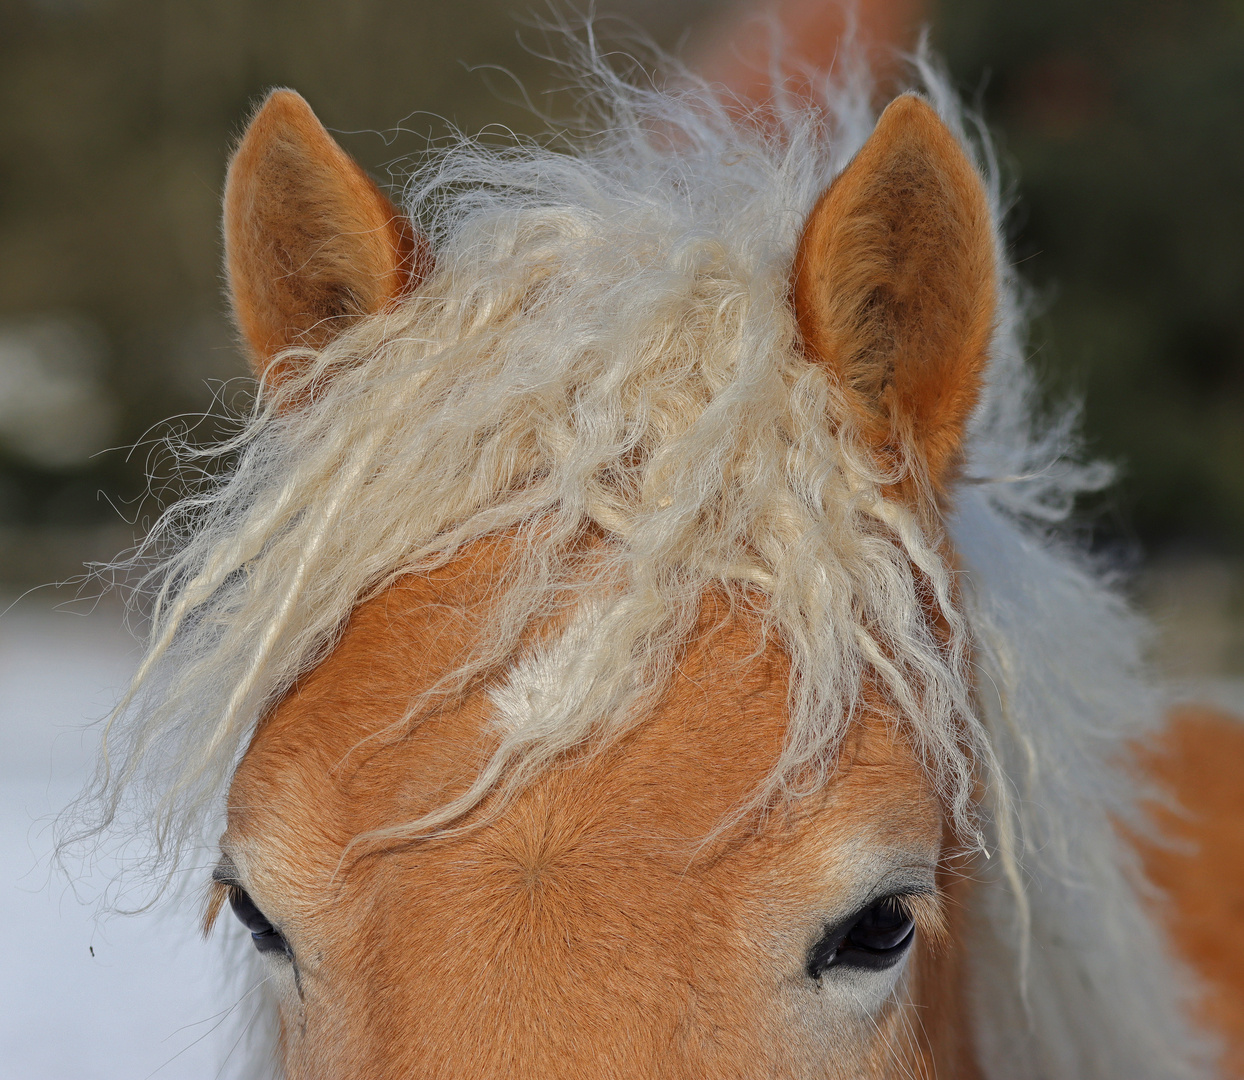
{"x": 1123, "y": 121}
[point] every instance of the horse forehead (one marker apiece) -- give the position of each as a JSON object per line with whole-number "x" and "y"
{"x": 335, "y": 760}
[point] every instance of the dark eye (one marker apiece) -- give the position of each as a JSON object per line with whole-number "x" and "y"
{"x": 266, "y": 937}
{"x": 875, "y": 938}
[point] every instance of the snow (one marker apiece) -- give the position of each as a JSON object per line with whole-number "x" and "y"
{"x": 149, "y": 1002}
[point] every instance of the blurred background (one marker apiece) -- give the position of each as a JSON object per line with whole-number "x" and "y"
{"x": 1120, "y": 122}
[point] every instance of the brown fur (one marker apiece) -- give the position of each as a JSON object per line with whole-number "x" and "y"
{"x": 1200, "y": 764}
{"x": 584, "y": 932}
{"x": 894, "y": 286}
{"x": 311, "y": 243}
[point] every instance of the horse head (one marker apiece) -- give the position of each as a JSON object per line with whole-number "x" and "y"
{"x": 628, "y": 639}
{"x": 632, "y": 908}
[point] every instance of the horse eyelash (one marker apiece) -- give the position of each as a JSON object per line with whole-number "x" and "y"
{"x": 218, "y": 893}
{"x": 928, "y": 911}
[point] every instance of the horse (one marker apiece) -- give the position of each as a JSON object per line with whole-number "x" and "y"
{"x": 633, "y": 633}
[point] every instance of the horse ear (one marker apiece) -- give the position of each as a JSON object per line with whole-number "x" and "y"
{"x": 894, "y": 287}
{"x": 311, "y": 243}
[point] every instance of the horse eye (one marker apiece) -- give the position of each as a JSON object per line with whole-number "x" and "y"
{"x": 874, "y": 939}
{"x": 267, "y": 938}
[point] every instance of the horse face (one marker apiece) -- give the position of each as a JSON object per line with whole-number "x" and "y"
{"x": 618, "y": 917}
{"x": 599, "y": 924}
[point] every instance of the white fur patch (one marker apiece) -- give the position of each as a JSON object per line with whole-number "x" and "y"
{"x": 549, "y": 684}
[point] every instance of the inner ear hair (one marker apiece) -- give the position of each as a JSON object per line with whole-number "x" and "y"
{"x": 311, "y": 243}
{"x": 894, "y": 287}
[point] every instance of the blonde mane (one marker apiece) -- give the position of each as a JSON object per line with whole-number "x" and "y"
{"x": 606, "y": 348}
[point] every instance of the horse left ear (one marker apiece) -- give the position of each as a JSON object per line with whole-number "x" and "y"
{"x": 894, "y": 288}
{"x": 311, "y": 243}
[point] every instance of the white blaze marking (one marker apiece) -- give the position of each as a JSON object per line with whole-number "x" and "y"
{"x": 545, "y": 688}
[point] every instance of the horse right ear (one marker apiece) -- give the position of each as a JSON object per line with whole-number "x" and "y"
{"x": 311, "y": 243}
{"x": 894, "y": 288}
